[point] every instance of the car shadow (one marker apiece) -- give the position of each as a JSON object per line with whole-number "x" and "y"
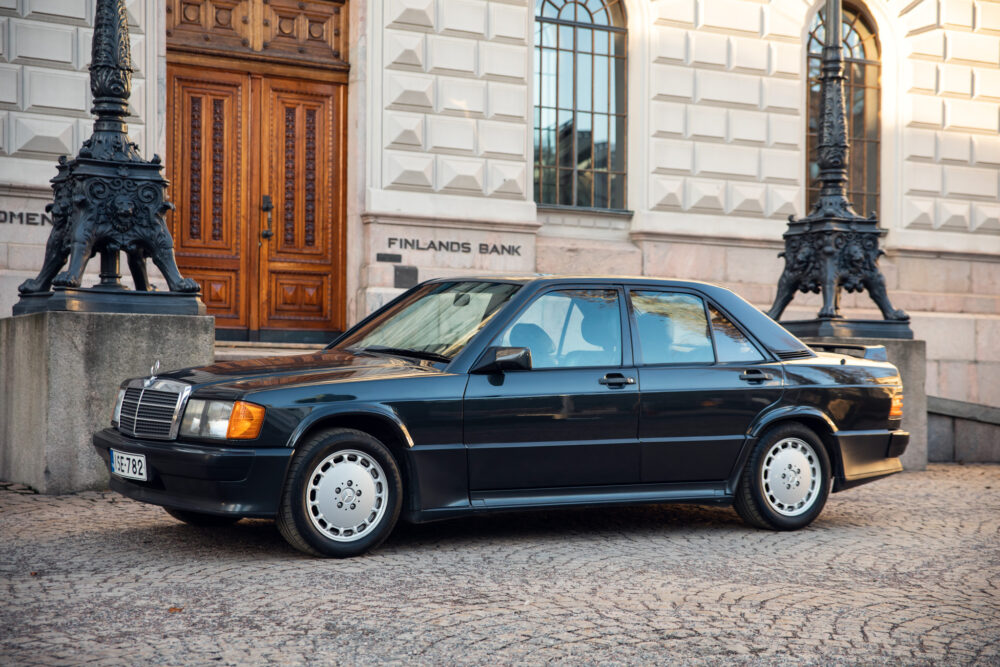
{"x": 258, "y": 540}
{"x": 563, "y": 524}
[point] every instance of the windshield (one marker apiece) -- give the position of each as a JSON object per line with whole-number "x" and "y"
{"x": 435, "y": 322}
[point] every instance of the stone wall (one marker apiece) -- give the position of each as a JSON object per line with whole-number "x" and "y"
{"x": 60, "y": 376}
{"x": 962, "y": 432}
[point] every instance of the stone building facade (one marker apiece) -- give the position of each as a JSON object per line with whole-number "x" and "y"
{"x": 440, "y": 134}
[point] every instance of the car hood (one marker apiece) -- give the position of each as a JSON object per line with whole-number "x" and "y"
{"x": 317, "y": 367}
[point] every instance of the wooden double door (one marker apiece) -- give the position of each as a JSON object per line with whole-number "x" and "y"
{"x": 256, "y": 163}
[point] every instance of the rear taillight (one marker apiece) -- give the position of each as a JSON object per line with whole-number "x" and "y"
{"x": 896, "y": 408}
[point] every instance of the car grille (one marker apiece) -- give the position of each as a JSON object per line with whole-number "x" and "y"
{"x": 149, "y": 413}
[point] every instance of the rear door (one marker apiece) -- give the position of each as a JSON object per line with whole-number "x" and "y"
{"x": 572, "y": 419}
{"x": 702, "y": 383}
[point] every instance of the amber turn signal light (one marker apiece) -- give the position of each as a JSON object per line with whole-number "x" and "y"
{"x": 246, "y": 421}
{"x": 896, "y": 409}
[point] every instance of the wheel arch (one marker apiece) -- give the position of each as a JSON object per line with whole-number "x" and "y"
{"x": 813, "y": 419}
{"x": 387, "y": 428}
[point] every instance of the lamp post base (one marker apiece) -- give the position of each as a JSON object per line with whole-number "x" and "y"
{"x": 110, "y": 300}
{"x": 837, "y": 327}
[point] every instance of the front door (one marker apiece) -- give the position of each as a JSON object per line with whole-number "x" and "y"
{"x": 256, "y": 170}
{"x": 569, "y": 421}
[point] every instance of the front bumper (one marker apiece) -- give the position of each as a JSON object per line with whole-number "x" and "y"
{"x": 868, "y": 455}
{"x": 242, "y": 481}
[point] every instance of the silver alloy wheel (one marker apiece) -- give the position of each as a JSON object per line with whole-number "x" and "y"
{"x": 790, "y": 477}
{"x": 346, "y": 495}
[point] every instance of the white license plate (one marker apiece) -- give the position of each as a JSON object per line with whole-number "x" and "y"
{"x": 128, "y": 465}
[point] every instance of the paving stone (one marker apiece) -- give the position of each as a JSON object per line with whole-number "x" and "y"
{"x": 904, "y": 570}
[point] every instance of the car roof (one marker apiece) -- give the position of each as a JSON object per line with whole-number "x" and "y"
{"x": 550, "y": 278}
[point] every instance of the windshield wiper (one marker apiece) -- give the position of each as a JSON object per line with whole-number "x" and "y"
{"x": 405, "y": 352}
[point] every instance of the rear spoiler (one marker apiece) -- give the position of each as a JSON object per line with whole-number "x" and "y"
{"x": 870, "y": 352}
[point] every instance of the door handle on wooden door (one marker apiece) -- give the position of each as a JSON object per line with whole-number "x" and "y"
{"x": 267, "y": 206}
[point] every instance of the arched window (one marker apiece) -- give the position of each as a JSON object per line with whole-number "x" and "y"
{"x": 862, "y": 70}
{"x": 580, "y": 84}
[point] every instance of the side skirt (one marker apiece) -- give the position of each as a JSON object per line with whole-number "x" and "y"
{"x": 482, "y": 502}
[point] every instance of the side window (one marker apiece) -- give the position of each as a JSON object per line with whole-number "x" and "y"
{"x": 673, "y": 328}
{"x": 730, "y": 343}
{"x": 569, "y": 329}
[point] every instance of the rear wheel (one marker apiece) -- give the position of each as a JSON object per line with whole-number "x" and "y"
{"x": 786, "y": 481}
{"x": 342, "y": 495}
{"x": 200, "y": 518}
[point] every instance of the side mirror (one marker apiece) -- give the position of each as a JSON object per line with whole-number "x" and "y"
{"x": 500, "y": 359}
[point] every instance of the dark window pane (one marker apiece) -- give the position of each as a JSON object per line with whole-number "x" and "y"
{"x": 583, "y": 140}
{"x": 566, "y": 187}
{"x": 600, "y": 189}
{"x": 548, "y": 157}
{"x": 619, "y": 38}
{"x": 600, "y": 141}
{"x": 618, "y": 143}
{"x": 618, "y": 85}
{"x": 618, "y": 191}
{"x": 584, "y": 188}
{"x": 549, "y": 186}
{"x": 566, "y": 137}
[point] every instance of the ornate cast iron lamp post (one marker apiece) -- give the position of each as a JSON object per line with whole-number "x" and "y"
{"x": 107, "y": 200}
{"x": 833, "y": 247}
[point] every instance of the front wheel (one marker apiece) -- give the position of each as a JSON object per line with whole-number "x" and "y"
{"x": 786, "y": 481}
{"x": 342, "y": 495}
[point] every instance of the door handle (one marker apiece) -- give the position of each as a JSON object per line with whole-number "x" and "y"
{"x": 616, "y": 380}
{"x": 267, "y": 206}
{"x": 754, "y": 375}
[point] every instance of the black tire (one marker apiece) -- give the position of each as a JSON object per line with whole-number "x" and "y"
{"x": 200, "y": 518}
{"x": 759, "y": 500}
{"x": 327, "y": 468}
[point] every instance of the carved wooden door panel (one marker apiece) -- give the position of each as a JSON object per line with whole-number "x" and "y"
{"x": 300, "y": 269}
{"x": 234, "y": 139}
{"x": 208, "y": 164}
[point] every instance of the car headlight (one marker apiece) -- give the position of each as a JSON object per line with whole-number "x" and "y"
{"x": 117, "y": 416}
{"x": 234, "y": 420}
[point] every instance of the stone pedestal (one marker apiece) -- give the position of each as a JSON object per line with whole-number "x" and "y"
{"x": 59, "y": 376}
{"x": 910, "y": 357}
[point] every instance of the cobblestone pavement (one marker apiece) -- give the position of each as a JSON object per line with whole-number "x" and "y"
{"x": 905, "y": 570}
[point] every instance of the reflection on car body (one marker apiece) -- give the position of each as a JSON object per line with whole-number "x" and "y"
{"x": 478, "y": 395}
